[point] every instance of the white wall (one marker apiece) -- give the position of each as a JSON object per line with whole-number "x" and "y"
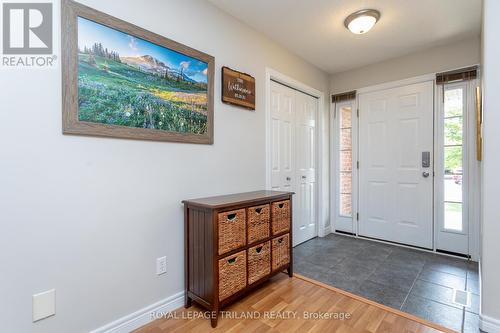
{"x": 490, "y": 268}
{"x": 452, "y": 56}
{"x": 89, "y": 216}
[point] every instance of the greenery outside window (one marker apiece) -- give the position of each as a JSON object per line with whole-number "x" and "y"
{"x": 453, "y": 158}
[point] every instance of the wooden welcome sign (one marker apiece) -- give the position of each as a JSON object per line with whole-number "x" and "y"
{"x": 238, "y": 88}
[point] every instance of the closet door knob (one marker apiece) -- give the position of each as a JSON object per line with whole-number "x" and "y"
{"x": 288, "y": 178}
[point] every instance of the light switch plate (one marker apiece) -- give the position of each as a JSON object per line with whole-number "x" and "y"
{"x": 44, "y": 305}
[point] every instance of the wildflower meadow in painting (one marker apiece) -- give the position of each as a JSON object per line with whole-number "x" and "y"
{"x": 127, "y": 81}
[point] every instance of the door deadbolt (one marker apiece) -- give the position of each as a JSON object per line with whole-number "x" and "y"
{"x": 426, "y": 159}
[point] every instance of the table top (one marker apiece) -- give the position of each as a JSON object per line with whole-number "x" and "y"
{"x": 237, "y": 198}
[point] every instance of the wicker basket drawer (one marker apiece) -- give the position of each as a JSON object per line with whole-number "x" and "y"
{"x": 259, "y": 261}
{"x": 280, "y": 216}
{"x": 232, "y": 274}
{"x": 232, "y": 230}
{"x": 258, "y": 218}
{"x": 280, "y": 251}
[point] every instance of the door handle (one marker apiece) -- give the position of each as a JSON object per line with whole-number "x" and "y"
{"x": 303, "y": 177}
{"x": 288, "y": 178}
{"x": 425, "y": 174}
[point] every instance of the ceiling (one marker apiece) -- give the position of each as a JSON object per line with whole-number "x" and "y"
{"x": 314, "y": 29}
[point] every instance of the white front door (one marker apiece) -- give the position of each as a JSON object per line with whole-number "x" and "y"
{"x": 293, "y": 146}
{"x": 396, "y": 164}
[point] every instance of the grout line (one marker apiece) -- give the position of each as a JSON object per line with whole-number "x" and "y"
{"x": 462, "y": 328}
{"x": 463, "y": 308}
{"x": 436, "y": 270}
{"x": 466, "y": 277}
{"x": 411, "y": 288}
{"x": 463, "y": 313}
{"x": 442, "y": 285}
{"x": 435, "y": 301}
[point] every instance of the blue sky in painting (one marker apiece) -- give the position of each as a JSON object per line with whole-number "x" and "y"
{"x": 90, "y": 32}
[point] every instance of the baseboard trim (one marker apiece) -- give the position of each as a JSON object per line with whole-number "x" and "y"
{"x": 143, "y": 316}
{"x": 489, "y": 324}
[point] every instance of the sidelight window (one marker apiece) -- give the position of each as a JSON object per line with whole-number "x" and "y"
{"x": 345, "y": 161}
{"x": 453, "y": 158}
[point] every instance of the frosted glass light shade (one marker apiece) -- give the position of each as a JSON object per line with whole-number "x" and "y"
{"x": 362, "y": 21}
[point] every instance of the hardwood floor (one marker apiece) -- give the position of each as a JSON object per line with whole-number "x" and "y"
{"x": 290, "y": 300}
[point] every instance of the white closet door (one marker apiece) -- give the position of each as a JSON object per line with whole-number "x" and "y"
{"x": 396, "y": 189}
{"x": 293, "y": 160}
{"x": 282, "y": 137}
{"x": 306, "y": 107}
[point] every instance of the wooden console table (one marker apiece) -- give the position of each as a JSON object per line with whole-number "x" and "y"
{"x": 233, "y": 243}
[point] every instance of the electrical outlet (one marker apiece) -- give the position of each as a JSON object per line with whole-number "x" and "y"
{"x": 161, "y": 265}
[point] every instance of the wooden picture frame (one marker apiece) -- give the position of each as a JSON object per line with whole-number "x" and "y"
{"x": 72, "y": 14}
{"x": 237, "y": 88}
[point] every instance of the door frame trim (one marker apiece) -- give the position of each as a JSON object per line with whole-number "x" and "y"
{"x": 321, "y": 197}
{"x": 396, "y": 84}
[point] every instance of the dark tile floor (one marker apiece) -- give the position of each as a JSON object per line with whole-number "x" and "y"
{"x": 413, "y": 281}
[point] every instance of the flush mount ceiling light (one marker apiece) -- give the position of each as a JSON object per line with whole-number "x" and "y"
{"x": 362, "y": 21}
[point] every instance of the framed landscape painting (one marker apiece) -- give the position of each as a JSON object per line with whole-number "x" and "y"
{"x": 122, "y": 81}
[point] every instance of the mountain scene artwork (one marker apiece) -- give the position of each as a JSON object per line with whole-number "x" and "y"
{"x": 128, "y": 81}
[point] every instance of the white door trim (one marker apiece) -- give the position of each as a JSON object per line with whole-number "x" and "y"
{"x": 274, "y": 75}
{"x": 395, "y": 84}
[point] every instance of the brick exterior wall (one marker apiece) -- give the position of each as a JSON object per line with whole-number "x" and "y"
{"x": 345, "y": 156}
